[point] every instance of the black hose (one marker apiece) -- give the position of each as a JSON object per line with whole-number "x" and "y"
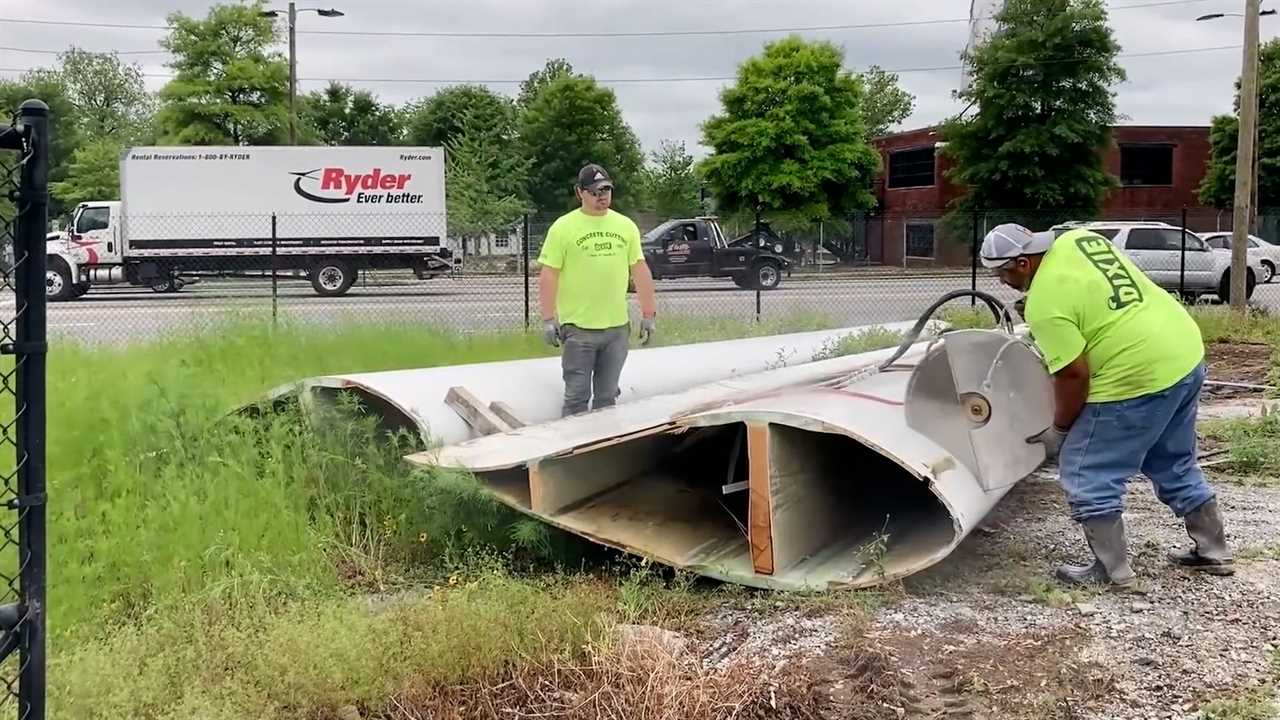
{"x": 1001, "y": 312}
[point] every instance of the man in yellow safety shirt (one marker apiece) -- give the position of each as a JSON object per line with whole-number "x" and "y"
{"x": 1128, "y": 364}
{"x": 587, "y": 259}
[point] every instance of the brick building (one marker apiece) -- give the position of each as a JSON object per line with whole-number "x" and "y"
{"x": 1159, "y": 168}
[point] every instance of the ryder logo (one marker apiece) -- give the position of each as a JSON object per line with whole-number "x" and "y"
{"x": 335, "y": 185}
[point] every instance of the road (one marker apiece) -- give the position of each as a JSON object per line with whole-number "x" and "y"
{"x": 127, "y": 314}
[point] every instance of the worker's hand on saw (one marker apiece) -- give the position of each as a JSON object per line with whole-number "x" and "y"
{"x": 1052, "y": 439}
{"x": 647, "y": 327}
{"x": 551, "y": 332}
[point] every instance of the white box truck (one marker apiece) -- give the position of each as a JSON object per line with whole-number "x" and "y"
{"x": 324, "y": 212}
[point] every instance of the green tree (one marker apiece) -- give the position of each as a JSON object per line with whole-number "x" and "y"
{"x": 1042, "y": 86}
{"x": 483, "y": 182}
{"x": 570, "y": 122}
{"x": 791, "y": 137}
{"x": 437, "y": 119}
{"x": 885, "y": 104}
{"x": 48, "y": 86}
{"x": 538, "y": 79}
{"x": 342, "y": 115}
{"x": 93, "y": 174}
{"x": 1219, "y": 186}
{"x": 229, "y": 87}
{"x": 109, "y": 96}
{"x": 671, "y": 187}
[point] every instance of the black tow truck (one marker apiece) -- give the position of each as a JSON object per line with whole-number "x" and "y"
{"x": 697, "y": 247}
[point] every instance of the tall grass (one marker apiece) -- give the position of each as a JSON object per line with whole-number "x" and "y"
{"x": 207, "y": 565}
{"x": 156, "y": 497}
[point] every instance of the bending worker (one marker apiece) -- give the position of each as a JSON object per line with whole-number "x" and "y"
{"x": 587, "y": 259}
{"x": 1128, "y": 363}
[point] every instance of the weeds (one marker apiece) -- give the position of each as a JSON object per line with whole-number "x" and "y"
{"x": 873, "y": 338}
{"x": 1255, "y": 704}
{"x": 1254, "y": 446}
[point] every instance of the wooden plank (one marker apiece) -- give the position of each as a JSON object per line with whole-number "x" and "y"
{"x": 759, "y": 499}
{"x": 474, "y": 413}
{"x": 508, "y": 415}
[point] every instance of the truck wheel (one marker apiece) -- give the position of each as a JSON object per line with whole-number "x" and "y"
{"x": 1224, "y": 286}
{"x": 331, "y": 278}
{"x": 767, "y": 275}
{"x": 171, "y": 285}
{"x": 57, "y": 281}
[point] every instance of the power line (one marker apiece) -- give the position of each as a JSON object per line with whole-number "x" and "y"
{"x": 581, "y": 35}
{"x": 96, "y": 52}
{"x": 703, "y": 78}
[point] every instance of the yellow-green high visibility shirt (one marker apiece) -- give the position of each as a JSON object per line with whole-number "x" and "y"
{"x": 594, "y": 255}
{"x": 1088, "y": 297}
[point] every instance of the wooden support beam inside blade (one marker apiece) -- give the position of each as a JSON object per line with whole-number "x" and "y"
{"x": 481, "y": 419}
{"x": 760, "y": 499}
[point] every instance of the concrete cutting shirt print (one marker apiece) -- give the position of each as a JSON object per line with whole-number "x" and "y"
{"x": 594, "y": 256}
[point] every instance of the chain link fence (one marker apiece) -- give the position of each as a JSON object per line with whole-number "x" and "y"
{"x": 23, "y": 212}
{"x": 121, "y": 279}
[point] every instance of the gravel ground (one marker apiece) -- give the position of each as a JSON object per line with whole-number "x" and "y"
{"x": 986, "y": 633}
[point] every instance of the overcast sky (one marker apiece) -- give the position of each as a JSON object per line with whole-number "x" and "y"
{"x": 1170, "y": 89}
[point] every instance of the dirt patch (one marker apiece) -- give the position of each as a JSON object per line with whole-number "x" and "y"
{"x": 1248, "y": 363}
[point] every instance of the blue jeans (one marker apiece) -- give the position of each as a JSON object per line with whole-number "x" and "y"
{"x": 1154, "y": 434}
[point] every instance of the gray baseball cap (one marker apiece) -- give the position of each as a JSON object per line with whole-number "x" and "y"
{"x": 1010, "y": 241}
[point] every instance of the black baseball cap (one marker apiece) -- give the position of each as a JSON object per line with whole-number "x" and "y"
{"x": 593, "y": 177}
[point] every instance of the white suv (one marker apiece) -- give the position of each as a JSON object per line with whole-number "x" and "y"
{"x": 1156, "y": 248}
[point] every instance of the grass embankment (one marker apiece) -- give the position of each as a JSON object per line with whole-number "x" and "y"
{"x": 215, "y": 567}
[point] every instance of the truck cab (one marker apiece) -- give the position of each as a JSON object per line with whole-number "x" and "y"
{"x": 90, "y": 246}
{"x": 696, "y": 247}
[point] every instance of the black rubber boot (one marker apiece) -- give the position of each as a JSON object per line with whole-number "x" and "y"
{"x": 1210, "y": 553}
{"x": 1110, "y": 565}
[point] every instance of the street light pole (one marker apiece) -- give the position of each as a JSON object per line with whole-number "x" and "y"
{"x": 1244, "y": 157}
{"x": 293, "y": 74}
{"x": 292, "y": 17}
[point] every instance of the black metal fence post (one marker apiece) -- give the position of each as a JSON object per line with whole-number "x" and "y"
{"x": 275, "y": 287}
{"x": 524, "y": 242}
{"x": 24, "y": 622}
{"x": 1182, "y": 258}
{"x": 973, "y": 262}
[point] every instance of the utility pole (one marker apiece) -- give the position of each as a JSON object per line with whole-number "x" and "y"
{"x": 293, "y": 75}
{"x": 1244, "y": 157}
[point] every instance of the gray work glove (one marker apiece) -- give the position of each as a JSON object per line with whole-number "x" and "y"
{"x": 551, "y": 332}
{"x": 647, "y": 328}
{"x": 1052, "y": 439}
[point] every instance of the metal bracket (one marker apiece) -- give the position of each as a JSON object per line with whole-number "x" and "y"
{"x": 22, "y": 501}
{"x": 24, "y": 348}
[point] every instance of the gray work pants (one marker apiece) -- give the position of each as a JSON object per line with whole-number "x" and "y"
{"x": 592, "y": 362}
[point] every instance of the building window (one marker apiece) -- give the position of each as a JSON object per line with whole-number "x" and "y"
{"x": 502, "y": 243}
{"x": 920, "y": 240}
{"x": 911, "y": 168}
{"x": 1146, "y": 164}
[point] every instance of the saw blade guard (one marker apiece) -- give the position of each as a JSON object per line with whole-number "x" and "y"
{"x": 980, "y": 394}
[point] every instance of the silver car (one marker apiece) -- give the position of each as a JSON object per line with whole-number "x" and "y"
{"x": 1157, "y": 249}
{"x": 1266, "y": 254}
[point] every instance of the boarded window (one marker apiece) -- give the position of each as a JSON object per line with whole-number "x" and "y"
{"x": 1146, "y": 164}
{"x": 911, "y": 168}
{"x": 920, "y": 240}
